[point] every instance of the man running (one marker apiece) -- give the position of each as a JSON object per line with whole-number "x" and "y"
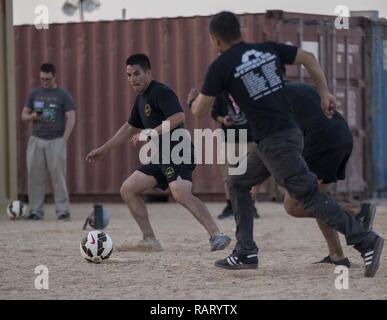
{"x": 327, "y": 147}
{"x": 157, "y": 104}
{"x": 251, "y": 74}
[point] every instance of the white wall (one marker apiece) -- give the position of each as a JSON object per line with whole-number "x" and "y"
{"x": 24, "y": 10}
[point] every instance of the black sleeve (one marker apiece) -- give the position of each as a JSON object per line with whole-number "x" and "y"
{"x": 30, "y": 101}
{"x": 135, "y": 119}
{"x": 218, "y": 107}
{"x": 286, "y": 53}
{"x": 168, "y": 103}
{"x": 213, "y": 83}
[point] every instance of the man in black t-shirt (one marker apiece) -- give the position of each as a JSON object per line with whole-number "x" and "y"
{"x": 155, "y": 106}
{"x": 327, "y": 147}
{"x": 251, "y": 74}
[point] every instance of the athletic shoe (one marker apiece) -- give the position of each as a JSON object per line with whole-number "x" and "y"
{"x": 227, "y": 211}
{"x": 341, "y": 262}
{"x": 64, "y": 216}
{"x": 219, "y": 242}
{"x": 366, "y": 215}
{"x": 371, "y": 257}
{"x": 238, "y": 262}
{"x": 34, "y": 216}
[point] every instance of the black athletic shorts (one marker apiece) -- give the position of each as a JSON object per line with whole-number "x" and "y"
{"x": 165, "y": 174}
{"x": 329, "y": 166}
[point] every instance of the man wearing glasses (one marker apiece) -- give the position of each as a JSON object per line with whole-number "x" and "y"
{"x": 51, "y": 110}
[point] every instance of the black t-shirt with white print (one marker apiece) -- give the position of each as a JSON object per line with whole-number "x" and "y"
{"x": 251, "y": 74}
{"x": 154, "y": 106}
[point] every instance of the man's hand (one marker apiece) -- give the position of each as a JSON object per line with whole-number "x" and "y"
{"x": 227, "y": 121}
{"x": 95, "y": 154}
{"x": 149, "y": 133}
{"x": 34, "y": 116}
{"x": 135, "y": 139}
{"x": 328, "y": 104}
{"x": 192, "y": 95}
{"x": 254, "y": 192}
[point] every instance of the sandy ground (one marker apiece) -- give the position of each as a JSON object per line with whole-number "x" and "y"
{"x": 185, "y": 269}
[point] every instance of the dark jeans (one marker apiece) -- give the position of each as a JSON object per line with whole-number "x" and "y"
{"x": 280, "y": 155}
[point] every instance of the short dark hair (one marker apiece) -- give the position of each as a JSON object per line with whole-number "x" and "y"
{"x": 225, "y": 25}
{"x": 141, "y": 59}
{"x": 48, "y": 68}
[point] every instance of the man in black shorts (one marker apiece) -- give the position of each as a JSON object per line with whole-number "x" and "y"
{"x": 327, "y": 147}
{"x": 155, "y": 105}
{"x": 251, "y": 74}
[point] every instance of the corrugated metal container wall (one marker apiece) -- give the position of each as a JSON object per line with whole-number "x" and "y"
{"x": 379, "y": 107}
{"x": 340, "y": 53}
{"x": 90, "y": 59}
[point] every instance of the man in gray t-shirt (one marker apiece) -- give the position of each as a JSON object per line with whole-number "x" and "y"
{"x": 51, "y": 110}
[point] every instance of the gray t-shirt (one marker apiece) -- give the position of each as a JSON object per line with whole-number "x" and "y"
{"x": 53, "y": 104}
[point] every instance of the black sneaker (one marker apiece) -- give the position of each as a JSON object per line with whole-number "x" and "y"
{"x": 227, "y": 212}
{"x": 33, "y": 216}
{"x": 64, "y": 216}
{"x": 238, "y": 262}
{"x": 366, "y": 215}
{"x": 341, "y": 262}
{"x": 371, "y": 257}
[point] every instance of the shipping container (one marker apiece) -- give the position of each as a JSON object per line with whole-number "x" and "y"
{"x": 376, "y": 96}
{"x": 90, "y": 60}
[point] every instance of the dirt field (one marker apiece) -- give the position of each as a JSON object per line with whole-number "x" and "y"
{"x": 185, "y": 269}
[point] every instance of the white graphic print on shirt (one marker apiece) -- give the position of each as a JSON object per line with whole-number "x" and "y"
{"x": 258, "y": 73}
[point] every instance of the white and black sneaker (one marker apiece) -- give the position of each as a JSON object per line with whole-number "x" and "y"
{"x": 371, "y": 257}
{"x": 238, "y": 262}
{"x": 366, "y": 215}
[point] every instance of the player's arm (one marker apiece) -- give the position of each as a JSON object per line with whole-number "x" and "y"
{"x": 202, "y": 105}
{"x": 70, "y": 122}
{"x": 216, "y": 112}
{"x": 174, "y": 121}
{"x": 122, "y": 135}
{"x": 309, "y": 61}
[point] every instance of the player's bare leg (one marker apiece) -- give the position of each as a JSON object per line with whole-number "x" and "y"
{"x": 182, "y": 192}
{"x": 131, "y": 191}
{"x": 295, "y": 209}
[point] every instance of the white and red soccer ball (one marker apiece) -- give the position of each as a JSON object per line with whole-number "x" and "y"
{"x": 96, "y": 246}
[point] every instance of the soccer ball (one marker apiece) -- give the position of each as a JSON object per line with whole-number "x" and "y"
{"x": 96, "y": 246}
{"x": 16, "y": 210}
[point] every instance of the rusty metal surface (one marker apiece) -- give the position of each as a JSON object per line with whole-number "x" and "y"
{"x": 90, "y": 60}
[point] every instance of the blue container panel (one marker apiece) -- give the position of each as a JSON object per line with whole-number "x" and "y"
{"x": 379, "y": 107}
